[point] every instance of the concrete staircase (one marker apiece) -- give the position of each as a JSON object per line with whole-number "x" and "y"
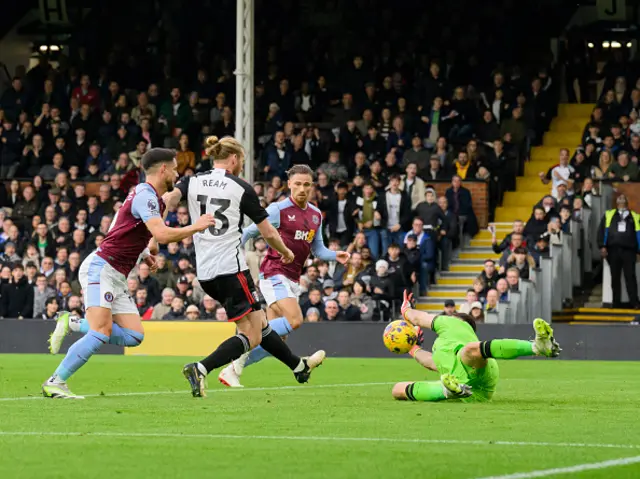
{"x": 565, "y": 132}
{"x": 468, "y": 264}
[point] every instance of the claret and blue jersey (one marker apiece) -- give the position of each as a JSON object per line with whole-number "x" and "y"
{"x": 301, "y": 231}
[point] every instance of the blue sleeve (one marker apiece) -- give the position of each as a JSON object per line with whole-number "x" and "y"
{"x": 318, "y": 248}
{"x": 145, "y": 205}
{"x": 274, "y": 218}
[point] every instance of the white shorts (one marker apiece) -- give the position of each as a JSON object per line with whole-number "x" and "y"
{"x": 103, "y": 286}
{"x": 278, "y": 287}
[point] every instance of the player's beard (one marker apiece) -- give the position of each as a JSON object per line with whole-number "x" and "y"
{"x": 169, "y": 184}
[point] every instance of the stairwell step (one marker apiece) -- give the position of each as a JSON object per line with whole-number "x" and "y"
{"x": 575, "y": 110}
{"x": 533, "y": 168}
{"x": 486, "y": 243}
{"x": 458, "y": 275}
{"x": 452, "y": 281}
{"x": 513, "y": 212}
{"x": 449, "y": 287}
{"x": 479, "y": 249}
{"x": 446, "y": 294}
{"x": 432, "y": 308}
{"x": 466, "y": 268}
{"x": 532, "y": 183}
{"x": 522, "y": 199}
{"x": 479, "y": 256}
{"x": 568, "y": 125}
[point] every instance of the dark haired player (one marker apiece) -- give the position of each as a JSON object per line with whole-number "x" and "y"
{"x": 112, "y": 315}
{"x": 300, "y": 225}
{"x": 467, "y": 366}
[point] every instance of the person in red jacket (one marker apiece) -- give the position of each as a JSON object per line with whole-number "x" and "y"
{"x": 85, "y": 93}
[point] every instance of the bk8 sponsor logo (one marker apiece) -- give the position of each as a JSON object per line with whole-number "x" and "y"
{"x": 305, "y": 235}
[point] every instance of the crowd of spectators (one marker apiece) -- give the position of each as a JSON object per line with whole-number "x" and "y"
{"x": 382, "y": 127}
{"x": 609, "y": 151}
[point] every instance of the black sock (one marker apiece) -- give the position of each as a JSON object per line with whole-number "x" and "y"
{"x": 229, "y": 350}
{"x": 485, "y": 349}
{"x": 273, "y": 344}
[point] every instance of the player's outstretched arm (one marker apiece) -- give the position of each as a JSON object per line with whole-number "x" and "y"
{"x": 415, "y": 317}
{"x": 320, "y": 251}
{"x": 145, "y": 207}
{"x": 274, "y": 218}
{"x": 273, "y": 239}
{"x": 164, "y": 235}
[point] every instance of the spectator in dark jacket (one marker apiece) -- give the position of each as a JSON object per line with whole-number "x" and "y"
{"x": 382, "y": 285}
{"x": 412, "y": 254}
{"x": 340, "y": 216}
{"x": 277, "y": 157}
{"x": 430, "y": 213}
{"x": 10, "y": 150}
{"x": 14, "y": 99}
{"x": 518, "y": 228}
{"x": 51, "y": 308}
{"x": 459, "y": 199}
{"x": 536, "y": 225}
{"x": 347, "y": 311}
{"x": 489, "y": 275}
{"x": 17, "y": 296}
{"x": 314, "y": 300}
{"x": 399, "y": 140}
{"x": 177, "y": 309}
{"x": 149, "y": 283}
{"x": 26, "y": 207}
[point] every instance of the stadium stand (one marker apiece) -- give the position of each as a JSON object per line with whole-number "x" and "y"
{"x": 449, "y": 129}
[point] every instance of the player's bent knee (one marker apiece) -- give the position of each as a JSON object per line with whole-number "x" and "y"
{"x": 135, "y": 339}
{"x": 471, "y": 351}
{"x": 254, "y": 335}
{"x": 296, "y": 321}
{"x": 103, "y": 329}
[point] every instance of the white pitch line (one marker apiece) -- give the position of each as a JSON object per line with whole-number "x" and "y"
{"x": 570, "y": 470}
{"x": 325, "y": 438}
{"x": 226, "y": 390}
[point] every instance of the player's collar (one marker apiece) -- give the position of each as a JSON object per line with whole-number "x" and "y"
{"x": 297, "y": 205}
{"x": 153, "y": 188}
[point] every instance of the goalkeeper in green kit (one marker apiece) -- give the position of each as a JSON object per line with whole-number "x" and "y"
{"x": 468, "y": 366}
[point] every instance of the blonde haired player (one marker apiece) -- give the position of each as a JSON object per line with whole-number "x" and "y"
{"x": 467, "y": 366}
{"x": 300, "y": 224}
{"x": 221, "y": 267}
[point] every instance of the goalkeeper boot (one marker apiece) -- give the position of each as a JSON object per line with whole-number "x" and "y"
{"x": 197, "y": 380}
{"x": 310, "y": 363}
{"x": 453, "y": 388}
{"x": 58, "y": 390}
{"x": 544, "y": 344}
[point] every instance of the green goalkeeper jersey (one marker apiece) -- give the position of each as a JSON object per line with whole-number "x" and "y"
{"x": 453, "y": 335}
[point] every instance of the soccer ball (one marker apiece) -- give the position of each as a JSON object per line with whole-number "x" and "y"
{"x": 399, "y": 337}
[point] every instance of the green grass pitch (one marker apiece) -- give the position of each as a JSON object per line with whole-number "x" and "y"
{"x": 141, "y": 422}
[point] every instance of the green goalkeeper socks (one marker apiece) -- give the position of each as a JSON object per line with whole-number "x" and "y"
{"x": 506, "y": 348}
{"x": 425, "y": 391}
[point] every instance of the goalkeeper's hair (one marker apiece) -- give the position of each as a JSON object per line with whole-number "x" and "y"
{"x": 466, "y": 318}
